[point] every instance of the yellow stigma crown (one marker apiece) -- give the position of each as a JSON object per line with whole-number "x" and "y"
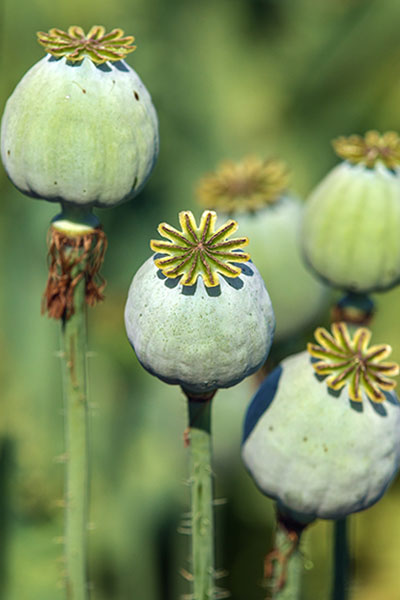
{"x": 195, "y": 251}
{"x": 349, "y": 361}
{"x": 99, "y": 46}
{"x": 370, "y": 149}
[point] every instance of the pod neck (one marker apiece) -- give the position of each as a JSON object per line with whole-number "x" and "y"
{"x": 75, "y": 220}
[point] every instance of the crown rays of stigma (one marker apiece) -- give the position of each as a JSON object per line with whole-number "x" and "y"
{"x": 195, "y": 251}
{"x": 370, "y": 149}
{"x": 99, "y": 46}
{"x": 248, "y": 185}
{"x": 349, "y": 361}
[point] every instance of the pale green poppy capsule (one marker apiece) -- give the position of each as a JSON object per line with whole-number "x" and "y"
{"x": 321, "y": 436}
{"x": 254, "y": 193}
{"x": 352, "y": 219}
{"x": 198, "y": 313}
{"x": 80, "y": 127}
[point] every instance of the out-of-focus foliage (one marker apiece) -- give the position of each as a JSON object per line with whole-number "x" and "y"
{"x": 228, "y": 78}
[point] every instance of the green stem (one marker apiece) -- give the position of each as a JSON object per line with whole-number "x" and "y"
{"x": 284, "y": 565}
{"x": 6, "y": 468}
{"x": 74, "y": 334}
{"x": 80, "y": 215}
{"x": 201, "y": 478}
{"x": 341, "y": 557}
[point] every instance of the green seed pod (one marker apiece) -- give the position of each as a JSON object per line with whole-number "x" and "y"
{"x": 205, "y": 332}
{"x": 253, "y": 193}
{"x": 325, "y": 449}
{"x": 352, "y": 219}
{"x": 80, "y": 126}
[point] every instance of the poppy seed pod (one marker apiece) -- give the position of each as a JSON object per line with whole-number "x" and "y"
{"x": 253, "y": 192}
{"x": 352, "y": 219}
{"x": 190, "y": 326}
{"x": 321, "y": 436}
{"x": 80, "y": 127}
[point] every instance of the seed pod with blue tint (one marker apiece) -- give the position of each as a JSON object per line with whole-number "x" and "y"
{"x": 352, "y": 219}
{"x": 254, "y": 192}
{"x": 198, "y": 313}
{"x": 321, "y": 435}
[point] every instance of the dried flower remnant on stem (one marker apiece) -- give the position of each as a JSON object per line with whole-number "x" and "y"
{"x": 370, "y": 149}
{"x": 199, "y": 250}
{"x": 97, "y": 45}
{"x": 71, "y": 259}
{"x": 283, "y": 566}
{"x": 349, "y": 361}
{"x": 243, "y": 186}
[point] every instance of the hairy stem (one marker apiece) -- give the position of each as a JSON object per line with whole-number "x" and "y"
{"x": 201, "y": 478}
{"x": 284, "y": 564}
{"x": 74, "y": 334}
{"x": 341, "y": 559}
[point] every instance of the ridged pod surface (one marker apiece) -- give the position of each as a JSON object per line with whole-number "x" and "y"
{"x": 351, "y": 227}
{"x": 79, "y": 133}
{"x": 200, "y": 338}
{"x": 313, "y": 450}
{"x": 274, "y": 245}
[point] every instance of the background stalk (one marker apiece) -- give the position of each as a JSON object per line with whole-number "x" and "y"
{"x": 74, "y": 336}
{"x": 201, "y": 479}
{"x": 6, "y": 509}
{"x": 355, "y": 310}
{"x": 341, "y": 556}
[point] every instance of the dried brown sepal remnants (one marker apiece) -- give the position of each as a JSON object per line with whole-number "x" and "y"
{"x": 370, "y": 149}
{"x": 71, "y": 259}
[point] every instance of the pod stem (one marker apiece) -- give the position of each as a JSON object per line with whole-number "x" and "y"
{"x": 74, "y": 342}
{"x": 76, "y": 249}
{"x": 283, "y": 566}
{"x": 201, "y": 481}
{"x": 356, "y": 309}
{"x": 341, "y": 560}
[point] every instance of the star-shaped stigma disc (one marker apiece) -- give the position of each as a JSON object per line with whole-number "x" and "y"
{"x": 370, "y": 149}
{"x": 98, "y": 45}
{"x": 199, "y": 250}
{"x": 349, "y": 361}
{"x": 248, "y": 185}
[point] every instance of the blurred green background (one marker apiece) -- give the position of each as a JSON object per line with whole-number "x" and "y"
{"x": 228, "y": 78}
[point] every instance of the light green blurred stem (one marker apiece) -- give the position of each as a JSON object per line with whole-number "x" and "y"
{"x": 201, "y": 479}
{"x": 341, "y": 559}
{"x": 286, "y": 564}
{"x": 74, "y": 334}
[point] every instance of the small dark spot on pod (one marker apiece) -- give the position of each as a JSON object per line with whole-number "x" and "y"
{"x": 325, "y": 448}
{"x": 55, "y": 183}
{"x": 113, "y": 80}
{"x": 83, "y": 90}
{"x": 84, "y": 191}
{"x": 136, "y": 95}
{"x": 305, "y": 439}
{"x": 271, "y": 428}
{"x": 8, "y": 152}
